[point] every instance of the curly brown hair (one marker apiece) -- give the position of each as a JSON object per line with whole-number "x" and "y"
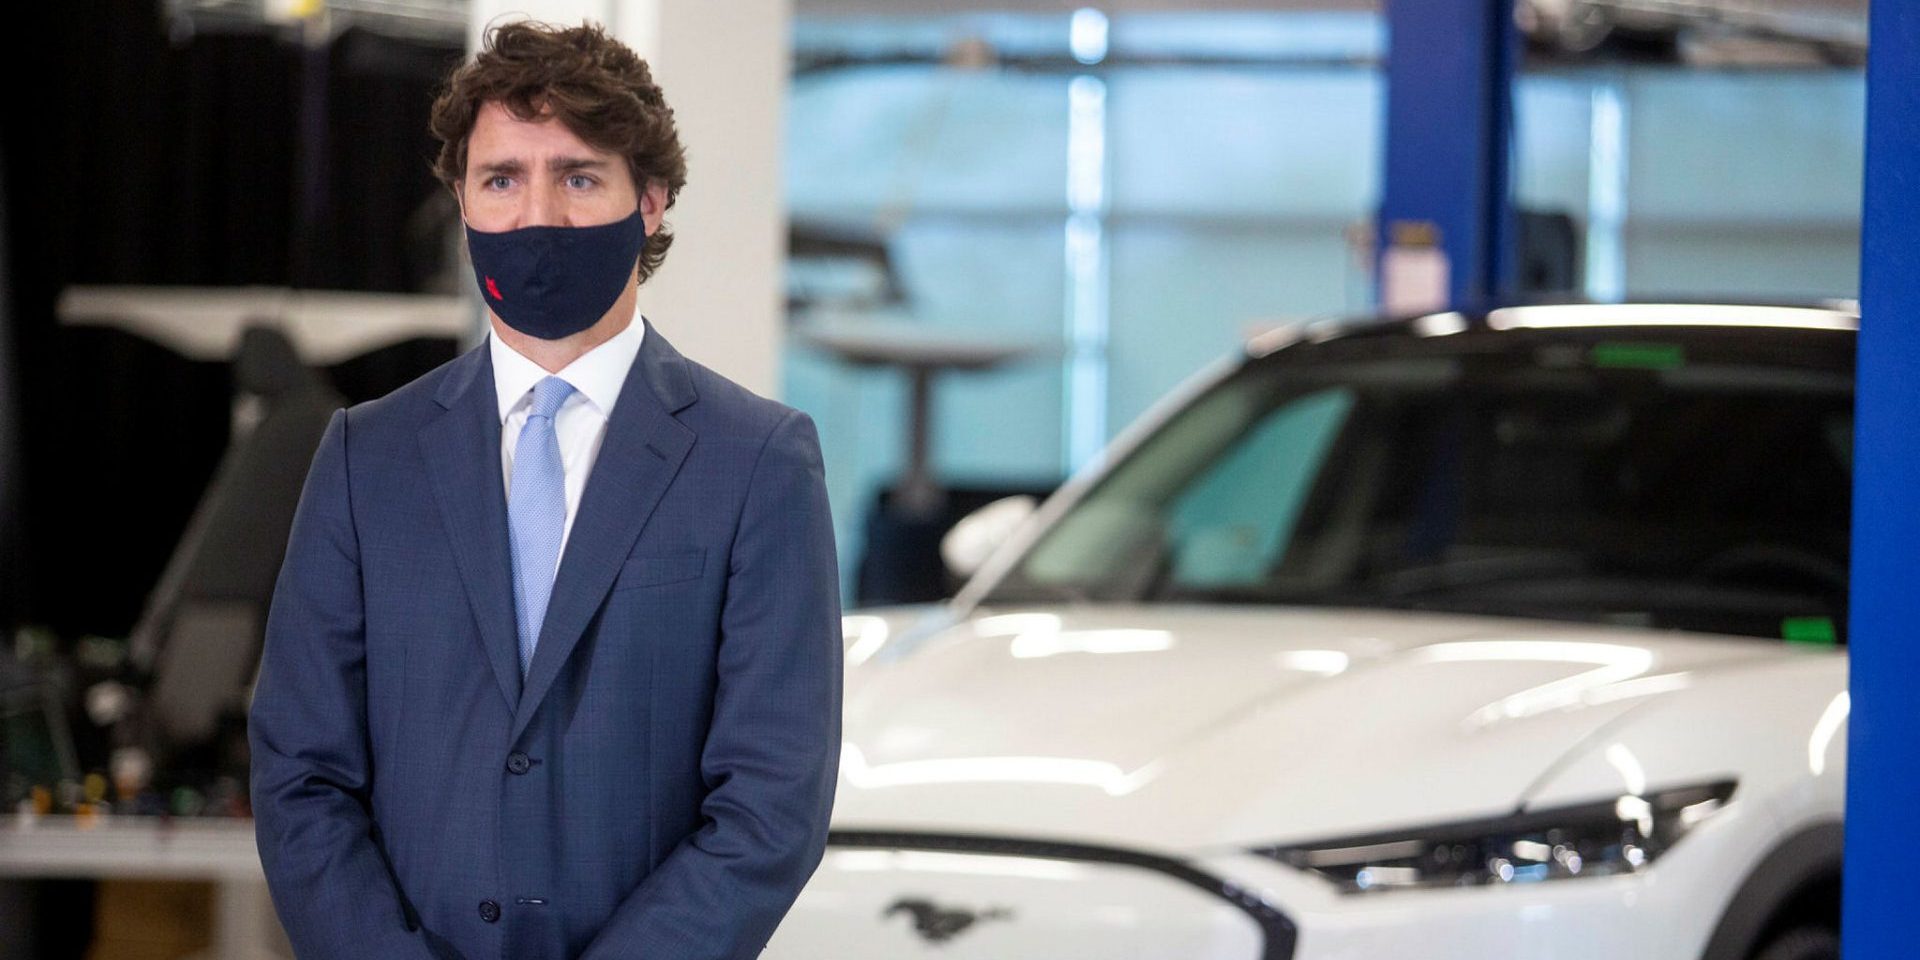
{"x": 591, "y": 82}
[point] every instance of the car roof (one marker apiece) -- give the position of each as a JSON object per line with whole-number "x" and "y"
{"x": 1670, "y": 318}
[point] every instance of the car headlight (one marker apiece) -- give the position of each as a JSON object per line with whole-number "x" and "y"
{"x": 1623, "y": 835}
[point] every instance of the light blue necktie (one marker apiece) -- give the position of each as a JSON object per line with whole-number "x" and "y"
{"x": 537, "y": 512}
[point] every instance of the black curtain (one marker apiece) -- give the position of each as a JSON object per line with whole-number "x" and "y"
{"x": 12, "y": 542}
{"x": 150, "y": 154}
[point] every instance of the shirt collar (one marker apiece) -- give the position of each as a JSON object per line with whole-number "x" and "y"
{"x": 596, "y": 375}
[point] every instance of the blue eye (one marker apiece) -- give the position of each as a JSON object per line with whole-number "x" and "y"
{"x": 580, "y": 181}
{"x": 498, "y": 182}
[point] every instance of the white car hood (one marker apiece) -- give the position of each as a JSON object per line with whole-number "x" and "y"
{"x": 1188, "y": 728}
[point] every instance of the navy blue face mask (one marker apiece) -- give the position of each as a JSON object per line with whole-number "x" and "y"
{"x": 552, "y": 282}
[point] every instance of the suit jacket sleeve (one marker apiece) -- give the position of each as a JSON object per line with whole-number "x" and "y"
{"x": 307, "y": 727}
{"x": 772, "y": 752}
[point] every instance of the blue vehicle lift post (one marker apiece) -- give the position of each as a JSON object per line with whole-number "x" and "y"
{"x": 1449, "y": 135}
{"x": 1883, "y": 765}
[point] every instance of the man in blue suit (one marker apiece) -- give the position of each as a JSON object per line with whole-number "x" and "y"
{"x": 553, "y": 666}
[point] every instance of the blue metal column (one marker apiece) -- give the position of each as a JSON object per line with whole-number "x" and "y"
{"x": 1449, "y": 132}
{"x": 1883, "y": 770}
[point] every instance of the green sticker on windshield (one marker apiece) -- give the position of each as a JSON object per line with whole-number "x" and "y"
{"x": 1639, "y": 356}
{"x": 1811, "y": 631}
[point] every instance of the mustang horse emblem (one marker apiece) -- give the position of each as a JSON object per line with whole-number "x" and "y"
{"x": 938, "y": 925}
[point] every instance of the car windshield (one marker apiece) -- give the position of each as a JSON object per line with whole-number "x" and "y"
{"x": 1678, "y": 483}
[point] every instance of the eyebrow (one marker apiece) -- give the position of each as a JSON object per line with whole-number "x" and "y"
{"x": 555, "y": 165}
{"x": 570, "y": 164}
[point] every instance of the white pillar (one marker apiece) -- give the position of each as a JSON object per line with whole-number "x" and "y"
{"x": 720, "y": 296}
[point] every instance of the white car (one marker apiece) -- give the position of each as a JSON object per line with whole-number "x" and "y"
{"x": 1509, "y": 635}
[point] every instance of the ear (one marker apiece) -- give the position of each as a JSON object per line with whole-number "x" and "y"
{"x": 653, "y": 205}
{"x": 460, "y": 198}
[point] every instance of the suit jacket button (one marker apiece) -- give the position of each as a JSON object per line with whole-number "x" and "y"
{"x": 489, "y": 911}
{"x": 518, "y": 763}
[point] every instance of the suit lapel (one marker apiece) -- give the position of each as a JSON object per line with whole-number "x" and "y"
{"x": 641, "y": 452}
{"x": 462, "y": 448}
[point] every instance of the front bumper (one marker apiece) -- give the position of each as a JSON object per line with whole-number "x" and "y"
{"x": 896, "y": 896}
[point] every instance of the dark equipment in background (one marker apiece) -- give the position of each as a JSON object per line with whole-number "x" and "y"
{"x": 199, "y": 637}
{"x": 155, "y": 724}
{"x": 166, "y": 707}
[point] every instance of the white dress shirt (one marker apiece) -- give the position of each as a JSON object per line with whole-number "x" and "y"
{"x": 581, "y": 424}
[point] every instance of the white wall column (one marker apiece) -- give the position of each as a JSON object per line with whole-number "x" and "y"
{"x": 720, "y": 296}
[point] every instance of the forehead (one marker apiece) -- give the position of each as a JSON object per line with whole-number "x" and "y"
{"x": 500, "y": 136}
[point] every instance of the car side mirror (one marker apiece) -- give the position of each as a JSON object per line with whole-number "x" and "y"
{"x": 966, "y": 547}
